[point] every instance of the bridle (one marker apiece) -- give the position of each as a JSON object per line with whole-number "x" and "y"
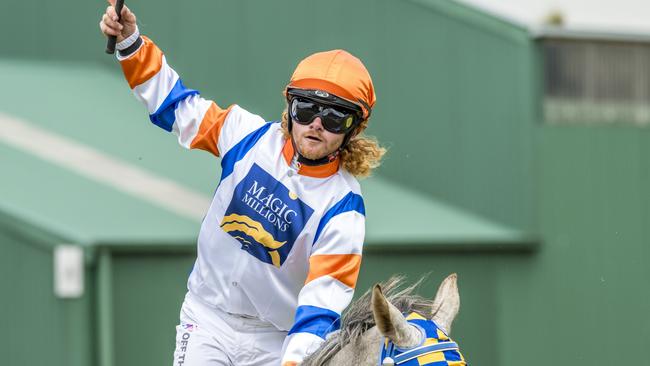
{"x": 434, "y": 340}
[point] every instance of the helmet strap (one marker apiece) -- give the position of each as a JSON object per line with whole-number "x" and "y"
{"x": 313, "y": 162}
{"x": 347, "y": 138}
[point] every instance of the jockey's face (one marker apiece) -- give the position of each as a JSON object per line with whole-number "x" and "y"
{"x": 313, "y": 141}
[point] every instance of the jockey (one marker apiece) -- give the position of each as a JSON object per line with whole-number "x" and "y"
{"x": 279, "y": 249}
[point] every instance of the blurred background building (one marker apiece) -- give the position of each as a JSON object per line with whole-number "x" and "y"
{"x": 518, "y": 158}
{"x": 616, "y": 16}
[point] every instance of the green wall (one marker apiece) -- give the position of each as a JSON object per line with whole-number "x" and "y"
{"x": 148, "y": 290}
{"x": 588, "y": 285}
{"x": 37, "y": 327}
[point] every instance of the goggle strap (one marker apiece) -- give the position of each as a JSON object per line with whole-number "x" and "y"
{"x": 330, "y": 99}
{"x": 367, "y": 108}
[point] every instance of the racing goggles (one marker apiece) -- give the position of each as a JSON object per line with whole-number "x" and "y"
{"x": 337, "y": 115}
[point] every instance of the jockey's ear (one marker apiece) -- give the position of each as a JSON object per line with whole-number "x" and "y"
{"x": 446, "y": 303}
{"x": 391, "y": 323}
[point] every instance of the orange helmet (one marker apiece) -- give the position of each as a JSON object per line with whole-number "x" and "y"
{"x": 336, "y": 72}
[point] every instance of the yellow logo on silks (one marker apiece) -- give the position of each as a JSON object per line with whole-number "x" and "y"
{"x": 265, "y": 217}
{"x": 244, "y": 224}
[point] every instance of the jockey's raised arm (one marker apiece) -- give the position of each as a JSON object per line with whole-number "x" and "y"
{"x": 197, "y": 122}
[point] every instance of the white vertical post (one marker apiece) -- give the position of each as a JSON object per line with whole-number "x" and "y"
{"x": 68, "y": 271}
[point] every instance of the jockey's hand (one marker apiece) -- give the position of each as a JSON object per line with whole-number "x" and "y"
{"x": 111, "y": 27}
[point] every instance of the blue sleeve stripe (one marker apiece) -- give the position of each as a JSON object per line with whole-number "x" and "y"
{"x": 315, "y": 320}
{"x": 164, "y": 116}
{"x": 237, "y": 152}
{"x": 351, "y": 202}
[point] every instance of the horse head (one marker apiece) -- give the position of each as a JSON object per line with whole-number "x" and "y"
{"x": 389, "y": 337}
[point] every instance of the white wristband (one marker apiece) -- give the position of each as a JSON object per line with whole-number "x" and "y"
{"x": 127, "y": 42}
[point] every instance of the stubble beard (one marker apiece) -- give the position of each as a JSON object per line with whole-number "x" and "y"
{"x": 312, "y": 154}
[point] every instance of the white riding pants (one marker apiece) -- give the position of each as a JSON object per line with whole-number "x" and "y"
{"x": 208, "y": 336}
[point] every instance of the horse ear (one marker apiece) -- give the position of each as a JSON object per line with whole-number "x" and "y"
{"x": 381, "y": 313}
{"x": 446, "y": 303}
{"x": 391, "y": 323}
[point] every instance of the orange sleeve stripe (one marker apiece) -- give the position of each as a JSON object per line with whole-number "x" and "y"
{"x": 343, "y": 267}
{"x": 210, "y": 129}
{"x": 142, "y": 66}
{"x": 290, "y": 363}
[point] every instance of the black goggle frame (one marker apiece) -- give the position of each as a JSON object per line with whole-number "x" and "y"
{"x": 324, "y": 101}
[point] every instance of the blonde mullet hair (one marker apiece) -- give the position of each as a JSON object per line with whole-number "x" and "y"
{"x": 359, "y": 157}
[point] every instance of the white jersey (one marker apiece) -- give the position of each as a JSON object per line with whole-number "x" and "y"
{"x": 280, "y": 241}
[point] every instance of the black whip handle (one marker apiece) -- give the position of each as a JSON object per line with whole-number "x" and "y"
{"x": 110, "y": 45}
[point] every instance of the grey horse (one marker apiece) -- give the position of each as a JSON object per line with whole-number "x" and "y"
{"x": 374, "y": 328}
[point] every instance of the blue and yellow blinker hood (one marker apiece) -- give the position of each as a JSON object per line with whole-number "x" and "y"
{"x": 436, "y": 348}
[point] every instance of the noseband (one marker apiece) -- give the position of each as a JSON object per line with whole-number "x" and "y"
{"x": 435, "y": 348}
